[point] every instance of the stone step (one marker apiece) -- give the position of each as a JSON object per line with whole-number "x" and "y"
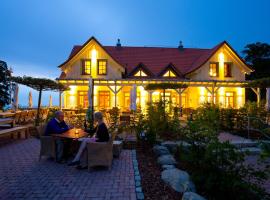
{"x": 251, "y": 150}
{"x": 244, "y": 144}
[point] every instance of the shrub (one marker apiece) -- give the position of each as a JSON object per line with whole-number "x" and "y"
{"x": 217, "y": 169}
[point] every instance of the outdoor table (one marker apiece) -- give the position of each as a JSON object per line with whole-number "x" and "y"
{"x": 71, "y": 134}
{"x": 70, "y": 139}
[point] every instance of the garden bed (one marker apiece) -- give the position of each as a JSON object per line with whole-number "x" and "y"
{"x": 153, "y": 186}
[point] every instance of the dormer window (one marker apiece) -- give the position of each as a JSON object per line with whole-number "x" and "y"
{"x": 213, "y": 69}
{"x": 227, "y": 69}
{"x": 140, "y": 73}
{"x": 86, "y": 67}
{"x": 102, "y": 67}
{"x": 169, "y": 74}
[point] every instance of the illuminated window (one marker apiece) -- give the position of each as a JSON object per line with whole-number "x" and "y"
{"x": 227, "y": 69}
{"x": 229, "y": 99}
{"x": 213, "y": 70}
{"x": 140, "y": 73}
{"x": 86, "y": 69}
{"x": 169, "y": 73}
{"x": 83, "y": 99}
{"x": 126, "y": 100}
{"x": 102, "y": 67}
{"x": 209, "y": 98}
{"x": 104, "y": 99}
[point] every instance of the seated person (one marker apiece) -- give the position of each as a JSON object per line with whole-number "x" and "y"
{"x": 57, "y": 125}
{"x": 101, "y": 135}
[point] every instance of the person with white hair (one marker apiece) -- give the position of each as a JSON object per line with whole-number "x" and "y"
{"x": 100, "y": 132}
{"x": 57, "y": 125}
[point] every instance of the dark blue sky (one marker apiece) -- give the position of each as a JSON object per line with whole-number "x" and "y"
{"x": 36, "y": 36}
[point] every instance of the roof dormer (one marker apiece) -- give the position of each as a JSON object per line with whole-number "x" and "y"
{"x": 140, "y": 71}
{"x": 169, "y": 72}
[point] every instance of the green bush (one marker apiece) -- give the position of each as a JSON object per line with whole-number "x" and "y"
{"x": 217, "y": 169}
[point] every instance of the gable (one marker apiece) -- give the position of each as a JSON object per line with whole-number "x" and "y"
{"x": 222, "y": 55}
{"x": 208, "y": 55}
{"x": 93, "y": 51}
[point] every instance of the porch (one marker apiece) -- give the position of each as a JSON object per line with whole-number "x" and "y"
{"x": 117, "y": 93}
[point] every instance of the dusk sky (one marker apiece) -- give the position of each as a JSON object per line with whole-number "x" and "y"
{"x": 36, "y": 36}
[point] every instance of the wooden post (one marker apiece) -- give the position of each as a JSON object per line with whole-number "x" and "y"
{"x": 115, "y": 94}
{"x": 258, "y": 96}
{"x": 38, "y": 109}
{"x": 60, "y": 100}
{"x": 267, "y": 106}
{"x": 150, "y": 92}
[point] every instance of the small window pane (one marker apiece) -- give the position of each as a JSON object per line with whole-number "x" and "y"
{"x": 140, "y": 73}
{"x": 213, "y": 71}
{"x": 102, "y": 67}
{"x": 87, "y": 67}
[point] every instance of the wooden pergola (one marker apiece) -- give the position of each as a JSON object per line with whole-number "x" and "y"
{"x": 115, "y": 85}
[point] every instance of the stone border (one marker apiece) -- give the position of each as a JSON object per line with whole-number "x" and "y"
{"x": 137, "y": 176}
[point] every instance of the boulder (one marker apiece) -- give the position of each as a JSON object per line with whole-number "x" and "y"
{"x": 192, "y": 196}
{"x": 160, "y": 150}
{"x": 179, "y": 180}
{"x": 166, "y": 160}
{"x": 172, "y": 146}
{"x": 164, "y": 167}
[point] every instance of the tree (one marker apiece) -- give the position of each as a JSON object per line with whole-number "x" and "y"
{"x": 39, "y": 84}
{"x": 4, "y": 84}
{"x": 258, "y": 56}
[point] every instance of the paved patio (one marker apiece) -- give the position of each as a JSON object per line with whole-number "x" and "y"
{"x": 23, "y": 177}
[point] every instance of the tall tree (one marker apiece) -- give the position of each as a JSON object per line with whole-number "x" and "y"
{"x": 258, "y": 55}
{"x": 4, "y": 84}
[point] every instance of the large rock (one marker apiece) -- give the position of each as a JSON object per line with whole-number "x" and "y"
{"x": 167, "y": 167}
{"x": 166, "y": 160}
{"x": 172, "y": 146}
{"x": 160, "y": 150}
{"x": 179, "y": 180}
{"x": 192, "y": 196}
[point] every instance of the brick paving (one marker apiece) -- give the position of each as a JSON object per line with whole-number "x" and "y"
{"x": 22, "y": 176}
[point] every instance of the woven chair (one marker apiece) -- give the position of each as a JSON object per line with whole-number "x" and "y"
{"x": 47, "y": 144}
{"x": 100, "y": 153}
{"x": 17, "y": 117}
{"x": 22, "y": 117}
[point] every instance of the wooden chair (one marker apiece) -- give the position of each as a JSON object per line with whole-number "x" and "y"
{"x": 22, "y": 117}
{"x": 17, "y": 117}
{"x": 47, "y": 144}
{"x": 100, "y": 153}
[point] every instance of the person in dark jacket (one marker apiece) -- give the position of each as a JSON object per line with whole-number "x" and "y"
{"x": 100, "y": 132}
{"x": 57, "y": 125}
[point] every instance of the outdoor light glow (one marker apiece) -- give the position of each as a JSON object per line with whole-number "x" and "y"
{"x": 239, "y": 97}
{"x": 72, "y": 90}
{"x": 221, "y": 65}
{"x": 202, "y": 95}
{"x": 94, "y": 54}
{"x": 221, "y": 57}
{"x": 221, "y": 96}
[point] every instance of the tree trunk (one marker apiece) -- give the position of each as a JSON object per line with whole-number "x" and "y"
{"x": 38, "y": 109}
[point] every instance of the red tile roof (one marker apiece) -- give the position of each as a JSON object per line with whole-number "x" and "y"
{"x": 156, "y": 59}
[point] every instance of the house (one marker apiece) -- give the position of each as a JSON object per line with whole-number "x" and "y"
{"x": 212, "y": 75}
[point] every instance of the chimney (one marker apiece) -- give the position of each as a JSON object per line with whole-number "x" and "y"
{"x": 118, "y": 44}
{"x": 180, "y": 46}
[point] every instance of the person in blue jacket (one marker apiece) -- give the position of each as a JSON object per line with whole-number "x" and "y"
{"x": 57, "y": 125}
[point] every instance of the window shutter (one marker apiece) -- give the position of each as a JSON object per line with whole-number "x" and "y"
{"x": 83, "y": 67}
{"x": 217, "y": 69}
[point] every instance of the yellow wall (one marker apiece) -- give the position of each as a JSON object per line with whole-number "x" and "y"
{"x": 92, "y": 51}
{"x": 238, "y": 69}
